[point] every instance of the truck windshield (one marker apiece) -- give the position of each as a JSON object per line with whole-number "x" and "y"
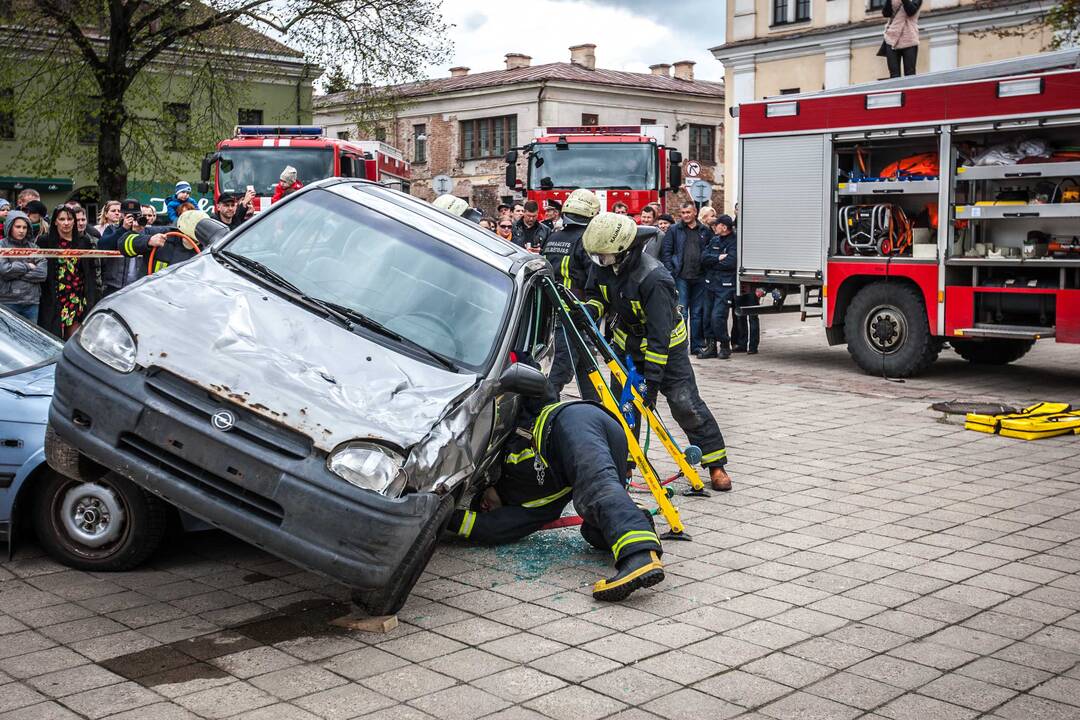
{"x": 261, "y": 167}
{"x": 341, "y": 252}
{"x": 597, "y": 166}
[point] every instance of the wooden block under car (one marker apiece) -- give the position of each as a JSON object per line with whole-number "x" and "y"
{"x": 367, "y": 623}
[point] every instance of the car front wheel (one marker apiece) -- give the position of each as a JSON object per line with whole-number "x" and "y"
{"x": 105, "y": 524}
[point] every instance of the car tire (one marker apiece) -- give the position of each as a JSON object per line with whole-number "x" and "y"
{"x": 888, "y": 332}
{"x": 62, "y": 456}
{"x": 107, "y": 524}
{"x": 992, "y": 352}
{"x": 389, "y": 599}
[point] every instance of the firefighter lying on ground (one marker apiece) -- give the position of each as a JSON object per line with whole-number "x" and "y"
{"x": 638, "y": 290}
{"x": 563, "y": 452}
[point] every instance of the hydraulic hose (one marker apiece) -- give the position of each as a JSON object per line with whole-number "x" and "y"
{"x": 189, "y": 241}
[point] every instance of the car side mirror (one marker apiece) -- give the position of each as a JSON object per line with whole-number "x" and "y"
{"x": 674, "y": 170}
{"x": 524, "y": 379}
{"x": 204, "y": 169}
{"x": 511, "y": 168}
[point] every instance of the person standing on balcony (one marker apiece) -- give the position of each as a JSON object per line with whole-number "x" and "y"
{"x": 901, "y": 44}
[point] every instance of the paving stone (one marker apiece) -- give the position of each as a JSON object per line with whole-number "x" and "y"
{"x": 941, "y": 657}
{"x": 574, "y": 665}
{"x": 523, "y": 647}
{"x": 854, "y": 690}
{"x": 292, "y": 682}
{"x": 468, "y": 664}
{"x": 1060, "y": 689}
{"x": 967, "y": 692}
{"x": 1038, "y": 656}
{"x": 1006, "y": 674}
{"x": 348, "y": 701}
{"x": 73, "y": 680}
{"x": 256, "y": 661}
{"x": 732, "y": 651}
{"x": 575, "y": 703}
{"x": 692, "y": 703}
{"x": 41, "y": 662}
{"x": 1028, "y": 707}
{"x": 50, "y": 710}
{"x": 102, "y": 701}
{"x": 519, "y": 684}
{"x": 14, "y": 695}
{"x": 461, "y": 702}
{"x": 920, "y": 707}
{"x": 742, "y": 688}
{"x": 804, "y": 706}
{"x": 788, "y": 669}
{"x": 826, "y": 651}
{"x": 408, "y": 682}
{"x": 894, "y": 671}
{"x": 362, "y": 663}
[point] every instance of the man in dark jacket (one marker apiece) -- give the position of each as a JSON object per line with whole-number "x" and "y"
{"x": 529, "y": 232}
{"x": 720, "y": 263}
{"x": 680, "y": 252}
{"x": 233, "y": 209}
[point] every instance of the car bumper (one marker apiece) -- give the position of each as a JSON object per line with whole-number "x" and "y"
{"x": 260, "y": 481}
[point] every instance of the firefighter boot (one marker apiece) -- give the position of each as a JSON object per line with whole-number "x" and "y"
{"x": 721, "y": 481}
{"x": 708, "y": 352}
{"x": 640, "y": 570}
{"x": 725, "y": 351}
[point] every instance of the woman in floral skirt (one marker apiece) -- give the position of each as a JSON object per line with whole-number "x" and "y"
{"x": 70, "y": 288}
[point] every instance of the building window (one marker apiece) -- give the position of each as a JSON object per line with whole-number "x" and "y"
{"x": 487, "y": 137}
{"x": 647, "y": 121}
{"x": 789, "y": 91}
{"x": 419, "y": 138}
{"x": 249, "y": 116}
{"x": 790, "y": 11}
{"x": 877, "y": 4}
{"x": 380, "y": 134}
{"x": 342, "y": 134}
{"x": 7, "y": 114}
{"x": 590, "y": 119}
{"x": 703, "y": 144}
{"x": 176, "y": 119}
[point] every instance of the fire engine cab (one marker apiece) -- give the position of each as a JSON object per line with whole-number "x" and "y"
{"x": 620, "y": 163}
{"x": 256, "y": 155}
{"x": 933, "y": 208}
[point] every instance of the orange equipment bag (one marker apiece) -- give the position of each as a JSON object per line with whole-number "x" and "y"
{"x": 921, "y": 164}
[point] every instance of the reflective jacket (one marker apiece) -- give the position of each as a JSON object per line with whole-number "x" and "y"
{"x": 566, "y": 253}
{"x": 133, "y": 244}
{"x": 642, "y": 297}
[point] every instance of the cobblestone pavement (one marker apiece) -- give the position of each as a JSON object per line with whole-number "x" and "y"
{"x": 872, "y": 562}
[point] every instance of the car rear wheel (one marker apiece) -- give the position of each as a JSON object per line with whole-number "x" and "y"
{"x": 389, "y": 599}
{"x": 993, "y": 351}
{"x": 106, "y": 524}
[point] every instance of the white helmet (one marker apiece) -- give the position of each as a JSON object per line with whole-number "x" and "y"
{"x": 609, "y": 234}
{"x": 451, "y": 204}
{"x": 581, "y": 206}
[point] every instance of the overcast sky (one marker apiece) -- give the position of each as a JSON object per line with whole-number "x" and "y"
{"x": 629, "y": 34}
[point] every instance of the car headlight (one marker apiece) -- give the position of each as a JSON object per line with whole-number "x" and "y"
{"x": 369, "y": 466}
{"x": 109, "y": 340}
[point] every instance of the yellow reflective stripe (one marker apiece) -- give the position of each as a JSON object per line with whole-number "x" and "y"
{"x": 603, "y": 291}
{"x": 598, "y": 305}
{"x": 467, "y": 523}
{"x": 678, "y": 335}
{"x": 129, "y": 245}
{"x": 538, "y": 428}
{"x": 159, "y": 266}
{"x": 547, "y": 500}
{"x": 629, "y": 538}
{"x": 657, "y": 358}
{"x": 564, "y": 266}
{"x": 525, "y": 454}
{"x": 636, "y": 307}
{"x": 620, "y": 338}
{"x": 714, "y": 456}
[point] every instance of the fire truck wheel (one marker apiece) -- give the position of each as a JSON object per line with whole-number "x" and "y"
{"x": 991, "y": 352}
{"x": 887, "y": 331}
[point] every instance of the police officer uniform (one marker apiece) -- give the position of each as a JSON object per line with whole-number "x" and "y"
{"x": 576, "y": 451}
{"x": 640, "y": 292}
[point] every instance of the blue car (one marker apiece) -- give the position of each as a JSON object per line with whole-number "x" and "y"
{"x": 107, "y": 524}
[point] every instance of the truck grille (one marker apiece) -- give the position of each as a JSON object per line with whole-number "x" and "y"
{"x": 249, "y": 425}
{"x": 221, "y": 488}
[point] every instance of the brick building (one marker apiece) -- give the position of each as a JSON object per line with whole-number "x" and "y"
{"x": 463, "y": 125}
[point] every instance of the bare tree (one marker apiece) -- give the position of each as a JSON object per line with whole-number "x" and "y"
{"x": 100, "y": 74}
{"x": 1061, "y": 21}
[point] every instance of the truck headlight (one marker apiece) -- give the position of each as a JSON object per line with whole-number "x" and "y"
{"x": 109, "y": 340}
{"x": 369, "y": 466}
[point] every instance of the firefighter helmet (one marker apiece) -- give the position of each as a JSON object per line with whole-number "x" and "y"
{"x": 451, "y": 204}
{"x": 581, "y": 207}
{"x": 609, "y": 234}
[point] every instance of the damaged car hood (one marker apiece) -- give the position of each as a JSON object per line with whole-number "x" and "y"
{"x": 250, "y": 346}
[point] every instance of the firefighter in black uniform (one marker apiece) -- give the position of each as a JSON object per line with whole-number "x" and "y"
{"x": 166, "y": 251}
{"x": 563, "y": 249}
{"x": 639, "y": 291}
{"x": 571, "y": 451}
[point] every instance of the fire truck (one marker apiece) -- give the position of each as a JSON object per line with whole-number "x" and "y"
{"x": 912, "y": 212}
{"x": 256, "y": 155}
{"x": 620, "y": 163}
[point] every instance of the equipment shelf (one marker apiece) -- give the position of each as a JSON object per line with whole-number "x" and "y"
{"x": 889, "y": 187}
{"x": 1013, "y": 262}
{"x": 1011, "y": 212}
{"x": 1019, "y": 172}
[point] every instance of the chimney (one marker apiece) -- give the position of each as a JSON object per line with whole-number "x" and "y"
{"x": 584, "y": 55}
{"x": 684, "y": 70}
{"x": 517, "y": 60}
{"x": 661, "y": 69}
{"x": 459, "y": 71}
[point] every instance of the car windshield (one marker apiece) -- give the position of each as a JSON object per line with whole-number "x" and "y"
{"x": 261, "y": 167}
{"x": 597, "y": 166}
{"x": 23, "y": 346}
{"x": 426, "y": 291}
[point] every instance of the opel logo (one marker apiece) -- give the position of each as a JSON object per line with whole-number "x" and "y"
{"x": 223, "y": 420}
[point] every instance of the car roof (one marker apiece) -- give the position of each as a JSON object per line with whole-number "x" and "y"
{"x": 450, "y": 229}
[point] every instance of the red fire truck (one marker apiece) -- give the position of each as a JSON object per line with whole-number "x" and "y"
{"x": 256, "y": 155}
{"x": 934, "y": 208}
{"x": 621, "y": 163}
